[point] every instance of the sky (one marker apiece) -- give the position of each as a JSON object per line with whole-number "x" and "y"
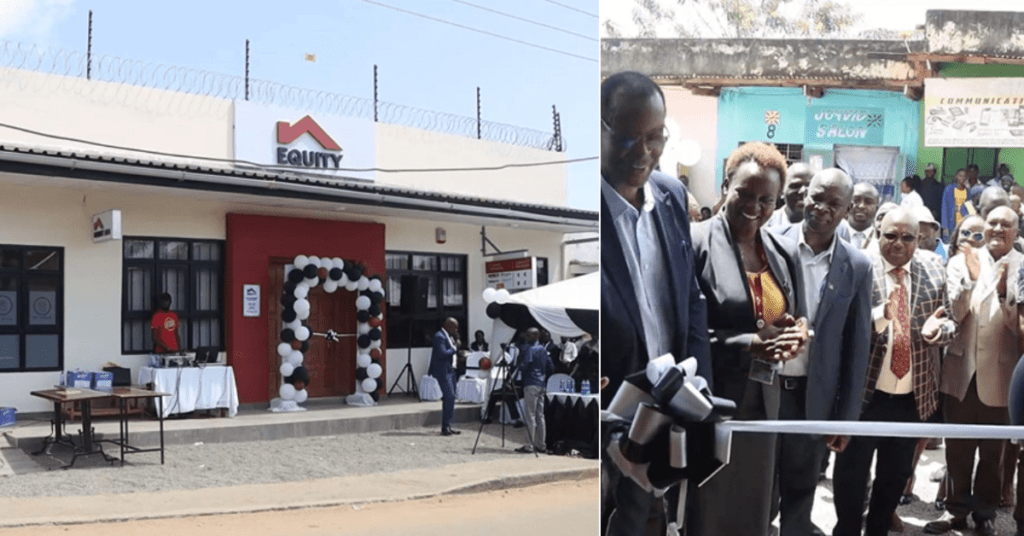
{"x": 886, "y": 14}
{"x": 422, "y": 63}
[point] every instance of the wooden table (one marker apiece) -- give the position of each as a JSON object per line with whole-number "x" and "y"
{"x": 61, "y": 396}
{"x": 124, "y": 394}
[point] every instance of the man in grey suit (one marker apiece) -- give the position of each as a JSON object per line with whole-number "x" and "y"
{"x": 823, "y": 382}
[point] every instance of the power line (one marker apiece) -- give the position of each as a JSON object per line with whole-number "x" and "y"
{"x": 571, "y": 8}
{"x": 470, "y": 28}
{"x": 273, "y": 167}
{"x": 557, "y": 29}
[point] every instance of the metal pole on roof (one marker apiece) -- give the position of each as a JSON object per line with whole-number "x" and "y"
{"x": 478, "y": 112}
{"x": 375, "y": 94}
{"x": 246, "y": 69}
{"x": 88, "y": 53}
{"x": 557, "y": 119}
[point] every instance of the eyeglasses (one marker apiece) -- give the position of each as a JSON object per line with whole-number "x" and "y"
{"x": 968, "y": 235}
{"x": 654, "y": 142}
{"x": 906, "y": 239}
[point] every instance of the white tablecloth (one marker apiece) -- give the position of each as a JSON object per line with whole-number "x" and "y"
{"x": 471, "y": 390}
{"x": 429, "y": 388}
{"x": 194, "y": 388}
{"x": 587, "y": 399}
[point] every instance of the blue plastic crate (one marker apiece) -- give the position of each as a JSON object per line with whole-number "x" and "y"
{"x": 7, "y": 417}
{"x": 102, "y": 381}
{"x": 79, "y": 379}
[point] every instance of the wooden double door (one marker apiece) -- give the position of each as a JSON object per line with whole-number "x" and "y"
{"x": 331, "y": 365}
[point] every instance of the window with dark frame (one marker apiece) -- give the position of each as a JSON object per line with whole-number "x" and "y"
{"x": 191, "y": 271}
{"x": 31, "y": 308}
{"x": 446, "y": 296}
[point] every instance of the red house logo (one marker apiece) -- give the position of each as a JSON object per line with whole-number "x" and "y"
{"x": 288, "y": 133}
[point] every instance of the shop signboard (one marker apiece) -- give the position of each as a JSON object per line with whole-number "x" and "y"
{"x": 513, "y": 275}
{"x": 845, "y": 125}
{"x": 106, "y": 226}
{"x": 974, "y": 112}
{"x": 287, "y": 139}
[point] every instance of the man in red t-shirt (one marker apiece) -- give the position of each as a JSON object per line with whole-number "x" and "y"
{"x": 165, "y": 327}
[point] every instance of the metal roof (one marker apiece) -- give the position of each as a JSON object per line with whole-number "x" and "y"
{"x": 187, "y": 174}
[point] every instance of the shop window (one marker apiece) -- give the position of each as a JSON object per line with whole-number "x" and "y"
{"x": 191, "y": 271}
{"x": 445, "y": 279}
{"x": 793, "y": 152}
{"x": 31, "y": 308}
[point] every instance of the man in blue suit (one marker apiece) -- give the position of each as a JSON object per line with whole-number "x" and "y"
{"x": 825, "y": 381}
{"x": 444, "y": 349}
{"x": 648, "y": 289}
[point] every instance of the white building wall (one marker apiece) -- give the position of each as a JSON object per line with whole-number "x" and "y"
{"x": 697, "y": 118}
{"x": 52, "y": 216}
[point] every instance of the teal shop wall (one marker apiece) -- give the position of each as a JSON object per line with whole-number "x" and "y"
{"x": 1013, "y": 157}
{"x": 741, "y": 117}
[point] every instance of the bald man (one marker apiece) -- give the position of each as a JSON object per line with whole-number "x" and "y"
{"x": 824, "y": 381}
{"x": 909, "y": 329}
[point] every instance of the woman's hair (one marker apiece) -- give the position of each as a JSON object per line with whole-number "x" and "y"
{"x": 766, "y": 156}
{"x": 954, "y": 241}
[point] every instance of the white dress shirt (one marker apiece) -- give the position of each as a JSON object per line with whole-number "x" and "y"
{"x": 647, "y": 264}
{"x": 860, "y": 238}
{"x": 815, "y": 268}
{"x": 887, "y": 380}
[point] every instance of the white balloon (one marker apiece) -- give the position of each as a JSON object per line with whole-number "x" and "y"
{"x": 375, "y": 285}
{"x": 301, "y": 396}
{"x": 327, "y": 263}
{"x": 373, "y": 371}
{"x": 363, "y": 360}
{"x": 302, "y": 333}
{"x": 287, "y": 391}
{"x": 363, "y": 328}
{"x": 302, "y": 316}
{"x": 330, "y": 286}
{"x": 502, "y": 296}
{"x": 294, "y": 358}
{"x": 375, "y": 344}
{"x": 311, "y": 282}
{"x": 314, "y": 260}
{"x": 369, "y": 384}
{"x": 300, "y": 261}
{"x": 362, "y": 303}
{"x": 688, "y": 151}
{"x": 351, "y": 285}
{"x": 287, "y": 369}
{"x": 301, "y": 306}
{"x": 338, "y": 263}
{"x": 301, "y": 291}
{"x": 294, "y": 324}
{"x": 284, "y": 349}
{"x": 364, "y": 283}
{"x": 489, "y": 294}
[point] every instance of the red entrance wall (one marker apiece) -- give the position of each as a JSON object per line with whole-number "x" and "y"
{"x": 251, "y": 242}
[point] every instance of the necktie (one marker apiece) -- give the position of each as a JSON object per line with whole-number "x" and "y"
{"x": 901, "y": 327}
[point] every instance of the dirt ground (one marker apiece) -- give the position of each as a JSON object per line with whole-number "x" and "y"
{"x": 562, "y": 508}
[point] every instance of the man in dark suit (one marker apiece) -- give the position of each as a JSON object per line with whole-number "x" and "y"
{"x": 910, "y": 326}
{"x": 823, "y": 382}
{"x": 444, "y": 348}
{"x": 647, "y": 282}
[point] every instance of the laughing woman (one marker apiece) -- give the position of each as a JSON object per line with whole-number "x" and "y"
{"x": 752, "y": 283}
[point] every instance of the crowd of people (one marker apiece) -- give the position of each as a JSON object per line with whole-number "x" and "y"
{"x": 828, "y": 307}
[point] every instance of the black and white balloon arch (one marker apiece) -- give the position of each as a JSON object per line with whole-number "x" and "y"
{"x": 333, "y": 273}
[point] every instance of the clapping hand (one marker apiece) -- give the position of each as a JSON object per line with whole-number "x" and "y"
{"x": 781, "y": 340}
{"x": 930, "y": 330}
{"x": 1001, "y": 280}
{"x": 971, "y": 260}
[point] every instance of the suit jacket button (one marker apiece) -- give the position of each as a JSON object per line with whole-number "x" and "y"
{"x": 760, "y": 323}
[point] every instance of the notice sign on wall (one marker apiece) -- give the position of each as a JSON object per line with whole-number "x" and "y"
{"x": 512, "y": 274}
{"x": 250, "y": 300}
{"x": 836, "y": 124}
{"x": 974, "y": 112}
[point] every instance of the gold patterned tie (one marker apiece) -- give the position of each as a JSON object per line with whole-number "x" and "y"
{"x": 901, "y": 328}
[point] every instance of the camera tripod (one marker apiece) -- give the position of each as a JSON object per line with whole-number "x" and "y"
{"x": 509, "y": 398}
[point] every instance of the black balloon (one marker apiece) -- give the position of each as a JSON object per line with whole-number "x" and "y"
{"x": 296, "y": 276}
{"x": 374, "y": 309}
{"x": 287, "y": 335}
{"x": 289, "y": 287}
{"x": 493, "y": 310}
{"x": 374, "y": 334}
{"x": 289, "y": 315}
{"x": 305, "y": 346}
{"x": 300, "y": 374}
{"x": 377, "y": 297}
{"x": 288, "y": 300}
{"x": 361, "y": 373}
{"x": 335, "y": 274}
{"x": 357, "y": 271}
{"x": 309, "y": 272}
{"x": 375, "y": 396}
{"x": 375, "y": 361}
{"x": 364, "y": 341}
{"x": 350, "y": 271}
{"x": 363, "y": 316}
